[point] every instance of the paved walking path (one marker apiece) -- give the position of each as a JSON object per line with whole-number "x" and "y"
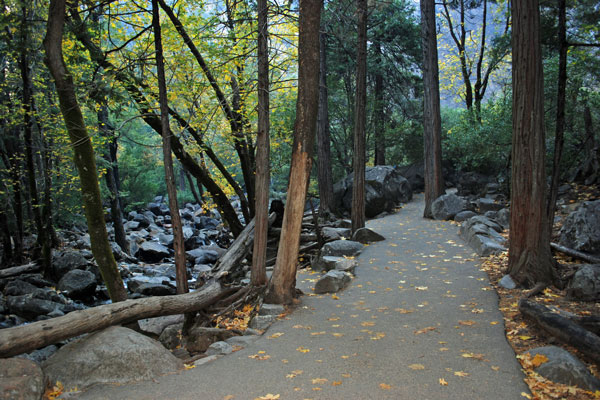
{"x": 419, "y": 321}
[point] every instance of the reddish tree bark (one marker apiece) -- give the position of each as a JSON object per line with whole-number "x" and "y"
{"x": 360, "y": 120}
{"x": 282, "y": 285}
{"x": 432, "y": 123}
{"x": 258, "y": 275}
{"x": 529, "y": 256}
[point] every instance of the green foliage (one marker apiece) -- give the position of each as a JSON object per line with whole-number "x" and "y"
{"x": 483, "y": 146}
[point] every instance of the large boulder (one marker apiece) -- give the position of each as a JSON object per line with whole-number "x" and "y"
{"x": 385, "y": 188}
{"x": 366, "y": 236}
{"x": 472, "y": 184}
{"x": 565, "y": 368}
{"x": 30, "y": 308}
{"x": 447, "y": 206}
{"x": 332, "y": 282}
{"x": 18, "y": 287}
{"x": 581, "y": 229}
{"x": 585, "y": 284}
{"x": 327, "y": 263}
{"x": 152, "y": 252}
{"x": 340, "y": 248}
{"x": 481, "y": 234}
{"x": 113, "y": 355}
{"x": 78, "y": 284}
{"x": 200, "y": 338}
{"x": 202, "y": 256}
{"x": 65, "y": 261}
{"x": 21, "y": 379}
{"x": 415, "y": 174}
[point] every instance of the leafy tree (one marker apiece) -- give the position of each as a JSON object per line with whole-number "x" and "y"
{"x": 468, "y": 24}
{"x": 84, "y": 153}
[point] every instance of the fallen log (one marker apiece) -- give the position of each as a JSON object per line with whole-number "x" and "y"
{"x": 25, "y": 338}
{"x": 21, "y": 269}
{"x": 238, "y": 250}
{"x": 575, "y": 254}
{"x": 562, "y": 329}
{"x": 589, "y": 322}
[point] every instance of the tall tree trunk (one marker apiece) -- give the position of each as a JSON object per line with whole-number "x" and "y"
{"x": 283, "y": 282}
{"x": 111, "y": 176}
{"x": 28, "y": 135}
{"x": 324, "y": 174}
{"x": 259, "y": 253}
{"x": 432, "y": 123}
{"x": 529, "y": 257}
{"x": 360, "y": 120}
{"x": 178, "y": 245}
{"x": 83, "y": 151}
{"x": 561, "y": 95}
{"x": 379, "y": 113}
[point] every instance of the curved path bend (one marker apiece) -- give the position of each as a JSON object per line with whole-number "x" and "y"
{"x": 419, "y": 321}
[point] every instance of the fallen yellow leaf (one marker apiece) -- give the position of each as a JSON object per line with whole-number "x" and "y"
{"x": 336, "y": 383}
{"x": 443, "y": 382}
{"x": 538, "y": 360}
{"x": 318, "y": 381}
{"x": 335, "y": 297}
{"x": 385, "y": 386}
{"x": 302, "y": 349}
{"x": 467, "y": 323}
{"x": 424, "y": 330}
{"x": 461, "y": 373}
{"x": 276, "y": 335}
{"x": 416, "y": 367}
{"x": 189, "y": 366}
{"x": 268, "y": 396}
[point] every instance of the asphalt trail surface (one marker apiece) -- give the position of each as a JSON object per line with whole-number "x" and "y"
{"x": 419, "y": 321}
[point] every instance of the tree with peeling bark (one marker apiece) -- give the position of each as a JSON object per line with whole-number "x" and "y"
{"x": 178, "y": 246}
{"x": 258, "y": 275}
{"x": 360, "y": 121}
{"x": 529, "y": 257}
{"x": 432, "y": 122}
{"x": 282, "y": 287}
{"x": 83, "y": 151}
